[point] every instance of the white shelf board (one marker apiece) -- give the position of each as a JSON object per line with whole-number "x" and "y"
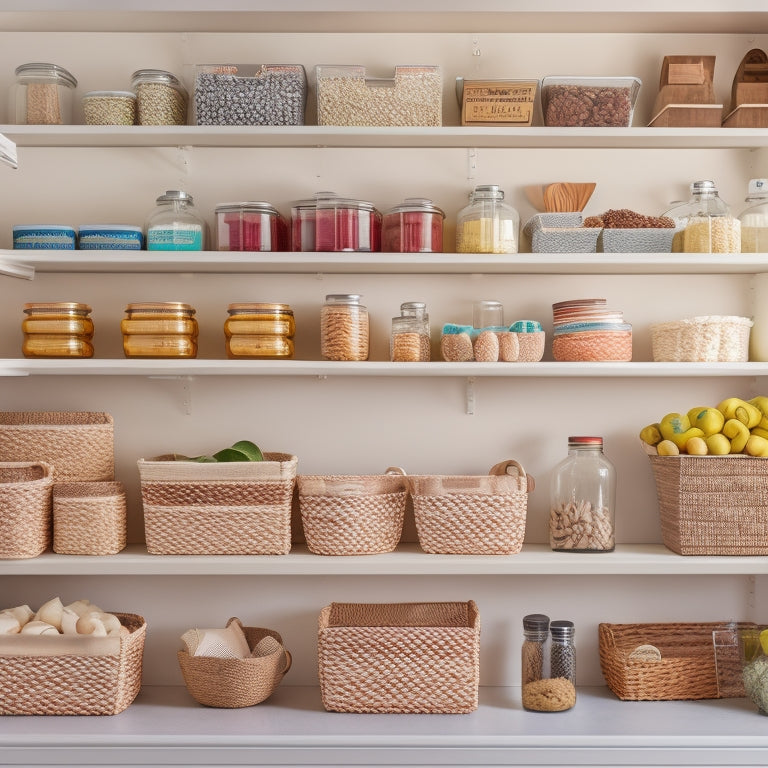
{"x": 25, "y": 263}
{"x": 165, "y": 726}
{"x": 408, "y": 560}
{"x": 349, "y": 137}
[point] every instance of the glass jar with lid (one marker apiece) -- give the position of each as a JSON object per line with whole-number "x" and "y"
{"x": 175, "y": 225}
{"x": 256, "y": 330}
{"x": 487, "y": 224}
{"x": 42, "y": 95}
{"x": 160, "y": 329}
{"x": 344, "y": 328}
{"x": 706, "y": 223}
{"x": 109, "y": 108}
{"x": 413, "y": 226}
{"x": 57, "y": 329}
{"x": 488, "y": 314}
{"x": 161, "y": 99}
{"x": 410, "y": 338}
{"x": 754, "y": 218}
{"x": 251, "y": 226}
{"x": 583, "y": 499}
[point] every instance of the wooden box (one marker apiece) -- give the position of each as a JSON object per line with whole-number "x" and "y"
{"x": 497, "y": 102}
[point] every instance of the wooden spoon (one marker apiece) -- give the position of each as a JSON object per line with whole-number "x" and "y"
{"x": 568, "y": 197}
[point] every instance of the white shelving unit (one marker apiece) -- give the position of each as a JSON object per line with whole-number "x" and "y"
{"x": 362, "y": 417}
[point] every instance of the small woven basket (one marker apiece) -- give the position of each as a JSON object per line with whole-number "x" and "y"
{"x": 686, "y": 669}
{"x": 399, "y": 657}
{"x": 232, "y": 683}
{"x": 223, "y": 508}
{"x": 25, "y": 509}
{"x": 72, "y": 674}
{"x": 706, "y": 339}
{"x": 593, "y": 347}
{"x": 472, "y": 514}
{"x": 89, "y": 518}
{"x": 352, "y": 515}
{"x": 79, "y": 445}
{"x": 713, "y": 505}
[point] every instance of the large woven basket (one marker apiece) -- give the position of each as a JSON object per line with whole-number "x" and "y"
{"x": 224, "y": 508}
{"x": 713, "y": 505}
{"x": 705, "y": 339}
{"x": 352, "y": 514}
{"x": 89, "y": 518}
{"x": 231, "y": 683}
{"x": 686, "y": 669}
{"x": 72, "y": 674}
{"x": 399, "y": 657}
{"x": 472, "y": 514}
{"x": 78, "y": 444}
{"x": 25, "y": 509}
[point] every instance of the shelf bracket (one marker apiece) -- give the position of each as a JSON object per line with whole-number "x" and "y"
{"x": 186, "y": 390}
{"x": 470, "y": 396}
{"x": 12, "y": 269}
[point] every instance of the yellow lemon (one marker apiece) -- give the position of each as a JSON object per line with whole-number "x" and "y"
{"x": 696, "y": 446}
{"x": 718, "y": 445}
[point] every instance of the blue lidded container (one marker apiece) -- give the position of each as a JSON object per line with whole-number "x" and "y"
{"x": 102, "y": 237}
{"x": 43, "y": 236}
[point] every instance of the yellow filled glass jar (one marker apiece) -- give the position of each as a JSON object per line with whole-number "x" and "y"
{"x": 57, "y": 329}
{"x": 159, "y": 329}
{"x": 256, "y": 330}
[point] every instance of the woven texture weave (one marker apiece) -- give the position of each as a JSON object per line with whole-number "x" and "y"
{"x": 79, "y": 445}
{"x": 72, "y": 684}
{"x": 25, "y": 509}
{"x": 593, "y": 346}
{"x": 229, "y": 508}
{"x": 706, "y": 339}
{"x": 713, "y": 505}
{"x": 399, "y": 657}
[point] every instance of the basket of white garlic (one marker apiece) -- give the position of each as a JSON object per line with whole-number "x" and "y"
{"x": 73, "y": 659}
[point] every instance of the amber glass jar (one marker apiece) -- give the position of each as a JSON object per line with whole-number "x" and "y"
{"x": 57, "y": 329}
{"x": 159, "y": 329}
{"x": 259, "y": 331}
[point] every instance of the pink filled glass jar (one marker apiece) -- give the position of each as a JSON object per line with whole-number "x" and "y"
{"x": 255, "y": 226}
{"x": 331, "y": 223}
{"x": 413, "y": 226}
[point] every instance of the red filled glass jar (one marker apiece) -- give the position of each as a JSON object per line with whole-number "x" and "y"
{"x": 255, "y": 226}
{"x": 331, "y": 223}
{"x": 413, "y": 226}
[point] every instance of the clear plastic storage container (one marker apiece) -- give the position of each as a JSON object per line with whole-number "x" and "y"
{"x": 413, "y": 226}
{"x": 331, "y": 223}
{"x": 109, "y": 108}
{"x": 175, "y": 225}
{"x": 487, "y": 224}
{"x": 754, "y": 218}
{"x": 410, "y": 338}
{"x": 252, "y": 226}
{"x": 595, "y": 102}
{"x": 42, "y": 95}
{"x": 161, "y": 99}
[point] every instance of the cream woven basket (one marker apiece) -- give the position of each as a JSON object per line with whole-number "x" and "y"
{"x": 25, "y": 509}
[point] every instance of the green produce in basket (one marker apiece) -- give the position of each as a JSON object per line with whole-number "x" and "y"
{"x": 243, "y": 450}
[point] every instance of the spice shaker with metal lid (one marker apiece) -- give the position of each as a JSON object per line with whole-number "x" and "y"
{"x": 344, "y": 328}
{"x": 413, "y": 226}
{"x": 487, "y": 224}
{"x": 562, "y": 652}
{"x": 42, "y": 95}
{"x": 161, "y": 99}
{"x": 174, "y": 225}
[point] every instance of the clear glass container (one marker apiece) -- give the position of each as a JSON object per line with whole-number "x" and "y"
{"x": 161, "y": 99}
{"x": 754, "y": 218}
{"x": 410, "y": 338}
{"x": 583, "y": 499}
{"x": 175, "y": 225}
{"x": 159, "y": 329}
{"x": 42, "y": 95}
{"x": 487, "y": 224}
{"x": 57, "y": 329}
{"x": 487, "y": 314}
{"x": 413, "y": 226}
{"x": 562, "y": 652}
{"x": 344, "y": 328}
{"x": 705, "y": 222}
{"x": 252, "y": 226}
{"x": 255, "y": 330}
{"x": 109, "y": 108}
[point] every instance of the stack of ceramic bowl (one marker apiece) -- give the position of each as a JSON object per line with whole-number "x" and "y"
{"x": 586, "y": 330}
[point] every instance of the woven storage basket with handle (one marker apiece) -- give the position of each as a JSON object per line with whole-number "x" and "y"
{"x": 25, "y": 509}
{"x": 399, "y": 657}
{"x": 72, "y": 674}
{"x": 472, "y": 514}
{"x": 78, "y": 444}
{"x": 230, "y": 683}
{"x": 224, "y": 508}
{"x": 713, "y": 505}
{"x": 686, "y": 669}
{"x": 352, "y": 514}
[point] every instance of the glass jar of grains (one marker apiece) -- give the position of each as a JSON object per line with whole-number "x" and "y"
{"x": 487, "y": 224}
{"x": 161, "y": 99}
{"x": 109, "y": 108}
{"x": 57, "y": 329}
{"x": 410, "y": 338}
{"x": 42, "y": 95}
{"x": 259, "y": 331}
{"x": 159, "y": 329}
{"x": 344, "y": 328}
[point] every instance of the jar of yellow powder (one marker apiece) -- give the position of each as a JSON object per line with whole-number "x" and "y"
{"x": 487, "y": 224}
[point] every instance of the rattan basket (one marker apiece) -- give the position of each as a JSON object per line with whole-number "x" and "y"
{"x": 472, "y": 514}
{"x": 231, "y": 683}
{"x": 79, "y": 445}
{"x": 89, "y": 518}
{"x": 686, "y": 669}
{"x": 25, "y": 509}
{"x": 399, "y": 657}
{"x": 352, "y": 514}
{"x": 72, "y": 674}
{"x": 706, "y": 339}
{"x": 713, "y": 505}
{"x": 223, "y": 508}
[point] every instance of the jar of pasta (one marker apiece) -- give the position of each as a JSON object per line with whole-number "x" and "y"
{"x": 487, "y": 224}
{"x": 344, "y": 328}
{"x": 259, "y": 331}
{"x": 159, "y": 329}
{"x": 42, "y": 95}
{"x": 57, "y": 329}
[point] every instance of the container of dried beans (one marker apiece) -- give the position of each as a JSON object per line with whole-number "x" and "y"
{"x": 625, "y": 231}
